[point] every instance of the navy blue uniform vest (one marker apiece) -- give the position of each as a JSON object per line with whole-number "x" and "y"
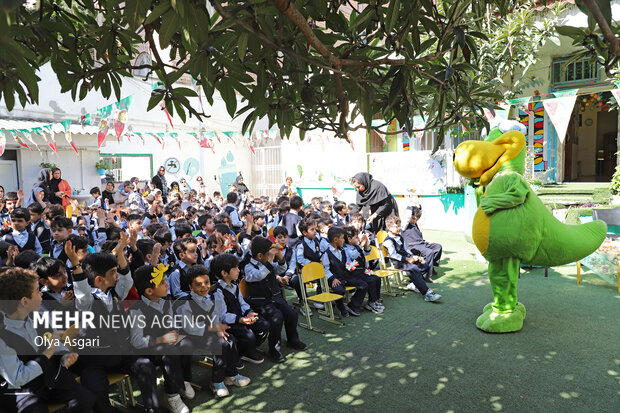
{"x": 30, "y": 244}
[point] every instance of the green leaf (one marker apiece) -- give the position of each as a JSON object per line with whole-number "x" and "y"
{"x": 180, "y": 111}
{"x": 135, "y": 11}
{"x": 569, "y": 31}
{"x": 169, "y": 26}
{"x": 605, "y": 6}
{"x": 242, "y": 44}
{"x": 228, "y": 94}
{"x": 393, "y": 11}
{"x": 160, "y": 9}
{"x": 156, "y": 97}
{"x": 395, "y": 88}
{"x": 184, "y": 91}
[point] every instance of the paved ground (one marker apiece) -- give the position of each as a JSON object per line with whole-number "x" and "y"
{"x": 421, "y": 356}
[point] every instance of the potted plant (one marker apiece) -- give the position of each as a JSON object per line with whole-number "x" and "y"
{"x": 48, "y": 165}
{"x": 101, "y": 166}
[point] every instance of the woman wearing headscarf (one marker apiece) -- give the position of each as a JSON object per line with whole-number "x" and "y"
{"x": 160, "y": 183}
{"x": 241, "y": 187}
{"x": 42, "y": 184}
{"x": 60, "y": 189}
{"x": 287, "y": 189}
{"x": 374, "y": 195}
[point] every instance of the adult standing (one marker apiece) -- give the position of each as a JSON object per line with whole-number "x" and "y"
{"x": 160, "y": 183}
{"x": 60, "y": 189}
{"x": 374, "y": 195}
{"x": 241, "y": 187}
{"x": 287, "y": 189}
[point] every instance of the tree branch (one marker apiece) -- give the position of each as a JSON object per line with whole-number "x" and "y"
{"x": 609, "y": 35}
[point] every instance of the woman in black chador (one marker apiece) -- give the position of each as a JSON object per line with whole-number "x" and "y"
{"x": 374, "y": 195}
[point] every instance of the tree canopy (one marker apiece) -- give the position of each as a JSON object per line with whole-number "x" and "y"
{"x": 306, "y": 64}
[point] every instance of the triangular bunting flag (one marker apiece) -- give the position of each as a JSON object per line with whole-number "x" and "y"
{"x": 103, "y": 132}
{"x": 230, "y": 136}
{"x": 139, "y": 135}
{"x": 522, "y": 103}
{"x": 248, "y": 138}
{"x": 119, "y": 119}
{"x": 84, "y": 119}
{"x": 560, "y": 111}
{"x": 175, "y": 136}
{"x": 67, "y": 125}
{"x": 105, "y": 111}
{"x": 52, "y": 142}
{"x": 18, "y": 138}
{"x": 162, "y": 139}
{"x": 124, "y": 104}
{"x": 28, "y": 135}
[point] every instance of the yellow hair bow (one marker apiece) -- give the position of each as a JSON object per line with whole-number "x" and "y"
{"x": 158, "y": 273}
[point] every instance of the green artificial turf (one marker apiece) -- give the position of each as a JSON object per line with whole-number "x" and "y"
{"x": 421, "y": 356}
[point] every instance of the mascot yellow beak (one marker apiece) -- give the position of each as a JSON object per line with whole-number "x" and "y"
{"x": 482, "y": 159}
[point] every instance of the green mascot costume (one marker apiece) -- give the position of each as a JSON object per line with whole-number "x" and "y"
{"x": 512, "y": 226}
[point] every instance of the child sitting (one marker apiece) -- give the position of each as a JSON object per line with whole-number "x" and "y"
{"x": 341, "y": 218}
{"x": 32, "y": 375}
{"x": 212, "y": 336}
{"x": 356, "y": 256}
{"x": 404, "y": 260}
{"x": 186, "y": 250}
{"x": 20, "y": 236}
{"x": 309, "y": 249}
{"x": 206, "y": 224}
{"x": 61, "y": 229}
{"x": 290, "y": 219}
{"x": 57, "y": 294}
{"x": 156, "y": 341}
{"x": 249, "y": 330}
{"x": 339, "y": 274}
{"x": 38, "y": 226}
{"x": 265, "y": 294}
{"x": 414, "y": 240}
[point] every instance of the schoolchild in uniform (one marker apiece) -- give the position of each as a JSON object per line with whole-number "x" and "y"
{"x": 186, "y": 249}
{"x": 249, "y": 331}
{"x": 158, "y": 343}
{"x": 406, "y": 261}
{"x": 32, "y": 376}
{"x": 309, "y": 249}
{"x": 265, "y": 295}
{"x": 56, "y": 292}
{"x": 355, "y": 254}
{"x": 341, "y": 276}
{"x": 100, "y": 283}
{"x": 211, "y": 335}
{"x": 290, "y": 220}
{"x": 20, "y": 236}
{"x": 39, "y": 228}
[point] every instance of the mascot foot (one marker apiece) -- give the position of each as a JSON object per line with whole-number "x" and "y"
{"x": 493, "y": 321}
{"x": 520, "y": 308}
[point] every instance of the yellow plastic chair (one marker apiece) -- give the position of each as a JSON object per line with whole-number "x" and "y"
{"x": 311, "y": 272}
{"x": 243, "y": 287}
{"x": 69, "y": 211}
{"x": 384, "y": 272}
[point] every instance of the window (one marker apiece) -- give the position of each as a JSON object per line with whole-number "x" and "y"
{"x": 565, "y": 71}
{"x": 124, "y": 167}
